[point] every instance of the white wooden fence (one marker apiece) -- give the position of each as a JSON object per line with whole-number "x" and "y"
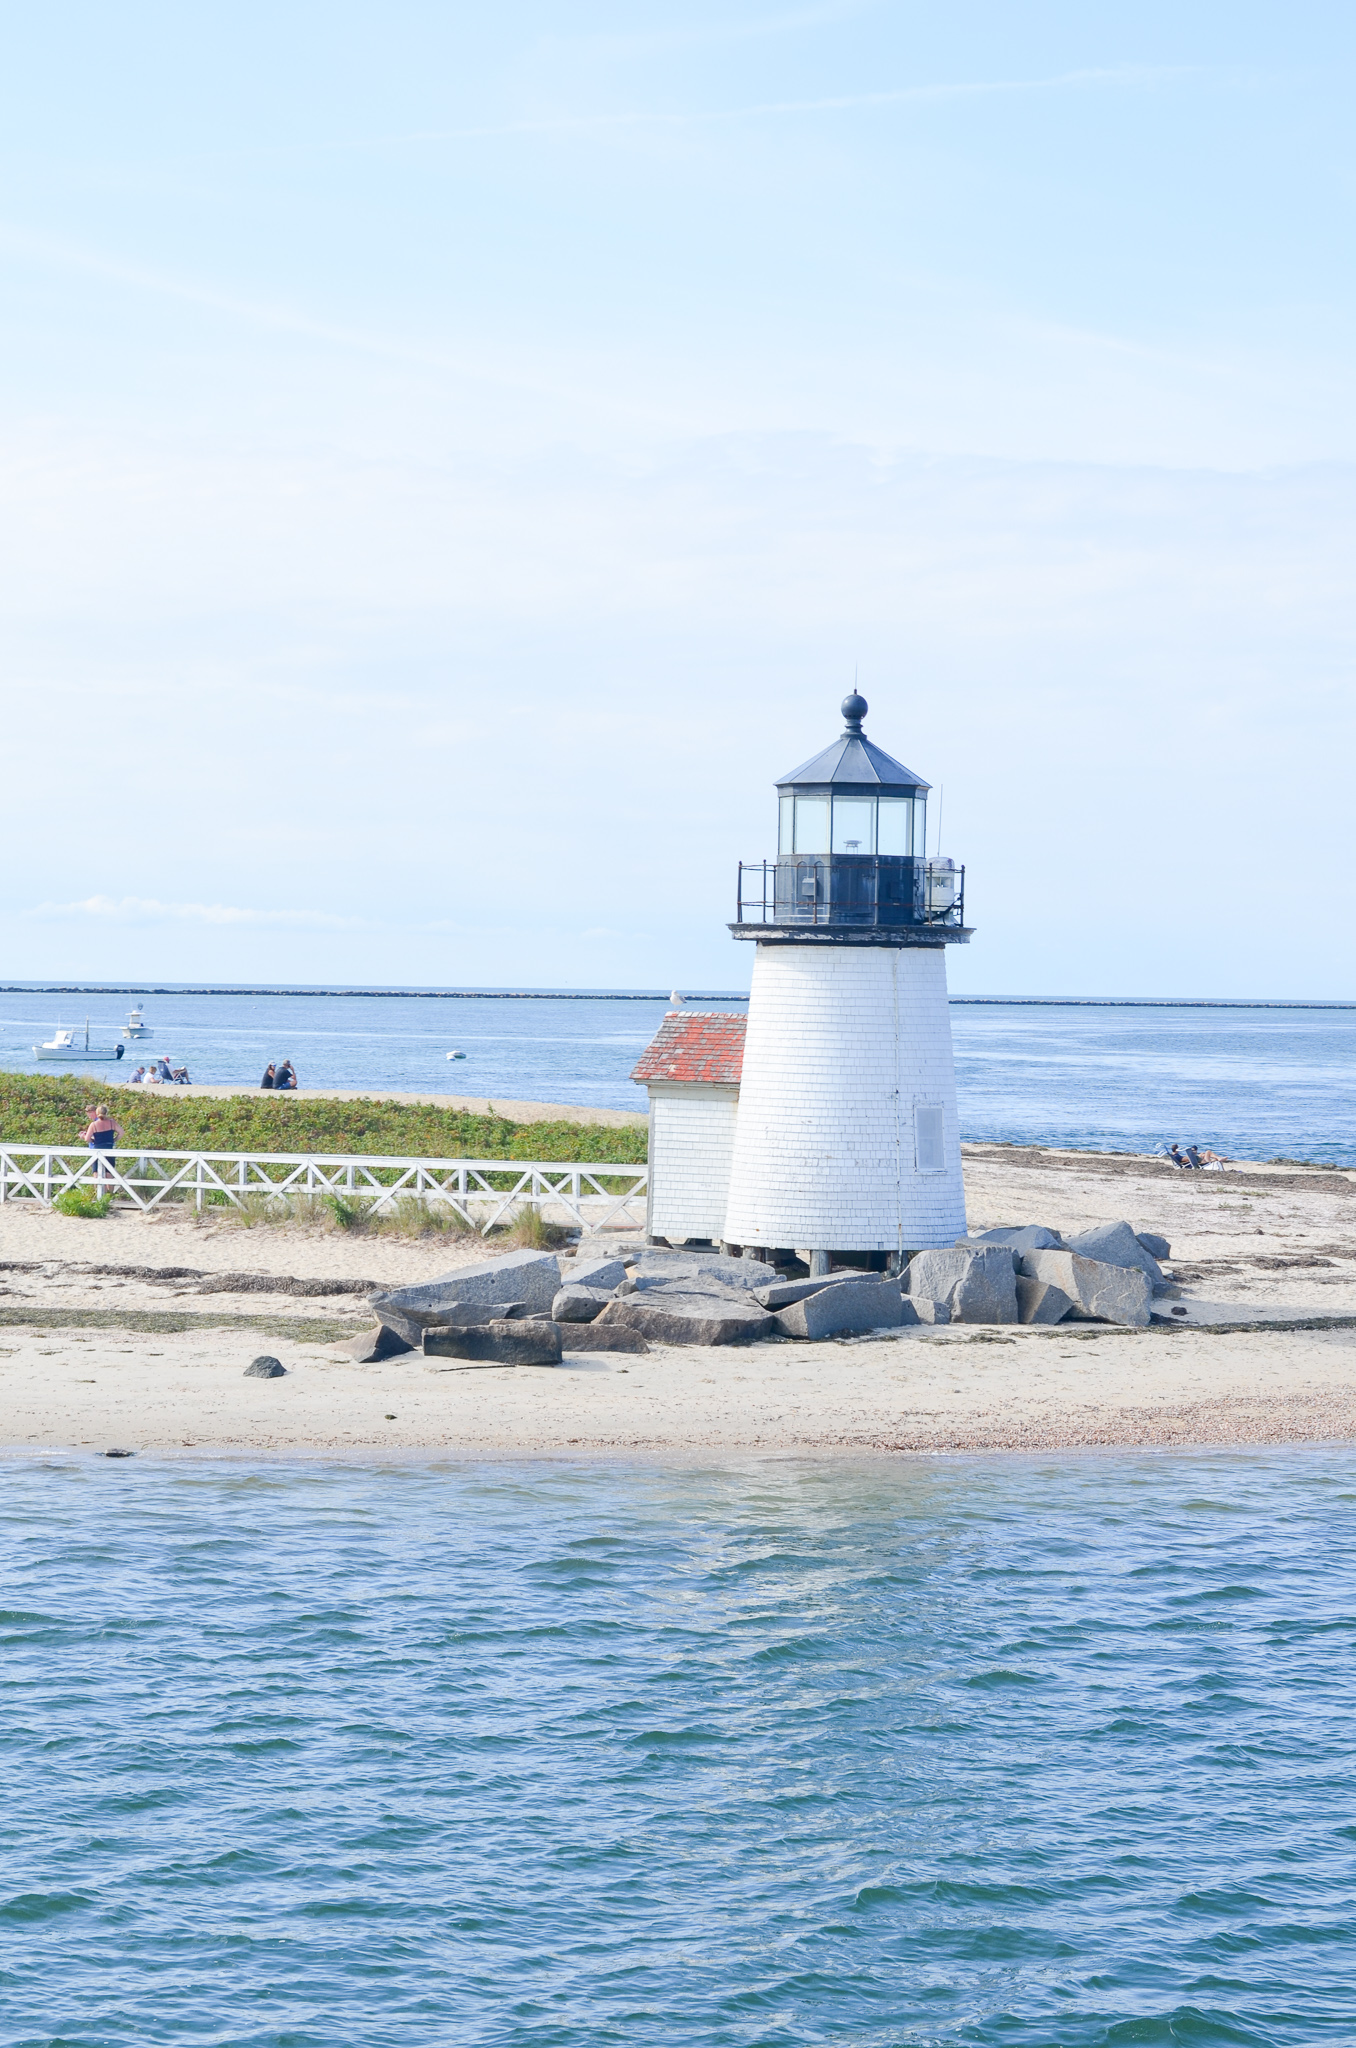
{"x": 477, "y": 1189}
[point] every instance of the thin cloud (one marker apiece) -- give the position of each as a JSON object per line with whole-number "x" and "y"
{"x": 150, "y": 910}
{"x": 704, "y": 35}
{"x": 45, "y": 249}
{"x": 906, "y": 95}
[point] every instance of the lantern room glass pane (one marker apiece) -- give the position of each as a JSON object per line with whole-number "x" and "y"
{"x": 812, "y": 824}
{"x": 786, "y": 842}
{"x": 895, "y": 830}
{"x": 853, "y": 822}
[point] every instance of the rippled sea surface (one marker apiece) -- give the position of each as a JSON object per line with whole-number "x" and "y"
{"x": 974, "y": 1752}
{"x": 1253, "y": 1084}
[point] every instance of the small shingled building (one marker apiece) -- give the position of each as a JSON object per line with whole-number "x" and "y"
{"x": 692, "y": 1070}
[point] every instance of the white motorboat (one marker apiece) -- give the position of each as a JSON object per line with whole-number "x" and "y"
{"x": 136, "y": 1027}
{"x": 62, "y": 1046}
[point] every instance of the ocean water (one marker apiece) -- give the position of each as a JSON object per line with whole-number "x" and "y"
{"x": 994, "y": 1753}
{"x": 1253, "y": 1083}
{"x": 535, "y": 1050}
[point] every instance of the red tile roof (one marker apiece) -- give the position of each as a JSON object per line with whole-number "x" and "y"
{"x": 696, "y": 1045}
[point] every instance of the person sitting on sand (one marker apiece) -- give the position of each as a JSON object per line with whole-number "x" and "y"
{"x": 101, "y": 1134}
{"x": 137, "y": 1078}
{"x": 270, "y": 1079}
{"x": 287, "y": 1076}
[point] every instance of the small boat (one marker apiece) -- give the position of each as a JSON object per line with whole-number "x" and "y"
{"x": 62, "y": 1046}
{"x": 456, "y": 1055}
{"x": 136, "y": 1027}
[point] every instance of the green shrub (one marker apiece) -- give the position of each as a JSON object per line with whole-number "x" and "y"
{"x": 48, "y": 1109}
{"x": 83, "y": 1202}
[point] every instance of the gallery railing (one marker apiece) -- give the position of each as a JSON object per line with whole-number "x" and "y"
{"x": 854, "y": 890}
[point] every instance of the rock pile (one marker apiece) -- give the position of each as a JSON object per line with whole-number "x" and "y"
{"x": 1032, "y": 1275}
{"x": 521, "y": 1310}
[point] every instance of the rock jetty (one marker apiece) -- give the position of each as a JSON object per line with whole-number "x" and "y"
{"x": 528, "y": 1309}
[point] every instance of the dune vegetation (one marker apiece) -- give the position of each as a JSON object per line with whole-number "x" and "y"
{"x": 49, "y": 1109}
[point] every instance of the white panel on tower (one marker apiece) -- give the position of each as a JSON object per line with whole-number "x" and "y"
{"x": 929, "y": 1137}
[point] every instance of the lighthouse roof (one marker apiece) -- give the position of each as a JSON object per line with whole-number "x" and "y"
{"x": 696, "y": 1045}
{"x": 853, "y": 760}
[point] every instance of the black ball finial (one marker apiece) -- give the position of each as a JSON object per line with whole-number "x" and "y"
{"x": 855, "y": 709}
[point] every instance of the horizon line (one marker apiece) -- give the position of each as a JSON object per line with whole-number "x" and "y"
{"x": 434, "y": 992}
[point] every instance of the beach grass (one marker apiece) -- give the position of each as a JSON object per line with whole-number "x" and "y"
{"x": 49, "y": 1109}
{"x": 408, "y": 1216}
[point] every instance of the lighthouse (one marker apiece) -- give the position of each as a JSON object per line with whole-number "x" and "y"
{"x": 846, "y": 1139}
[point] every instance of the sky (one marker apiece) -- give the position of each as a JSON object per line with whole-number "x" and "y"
{"x": 453, "y": 460}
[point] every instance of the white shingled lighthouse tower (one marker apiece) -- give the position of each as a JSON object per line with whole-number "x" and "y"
{"x": 846, "y": 1138}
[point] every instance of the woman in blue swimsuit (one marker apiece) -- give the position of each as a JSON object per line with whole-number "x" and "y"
{"x": 101, "y": 1134}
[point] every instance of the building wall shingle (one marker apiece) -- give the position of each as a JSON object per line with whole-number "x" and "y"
{"x": 692, "y": 1130}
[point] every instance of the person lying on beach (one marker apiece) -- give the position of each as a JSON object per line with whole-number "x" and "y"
{"x": 181, "y": 1076}
{"x": 1175, "y": 1156}
{"x": 1209, "y": 1159}
{"x": 1193, "y": 1156}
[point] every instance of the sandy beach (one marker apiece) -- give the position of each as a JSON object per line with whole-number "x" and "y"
{"x": 149, "y": 1353}
{"x": 473, "y": 1105}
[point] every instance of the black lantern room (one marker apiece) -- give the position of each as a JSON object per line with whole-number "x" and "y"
{"x": 852, "y": 861}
